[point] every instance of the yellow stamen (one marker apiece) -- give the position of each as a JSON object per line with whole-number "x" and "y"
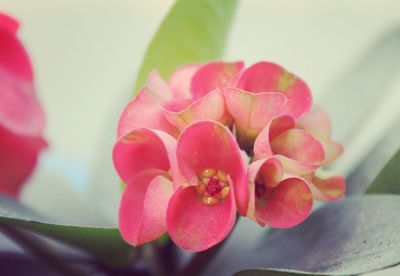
{"x": 200, "y": 189}
{"x": 210, "y": 200}
{"x": 208, "y": 172}
{"x": 222, "y": 176}
{"x": 225, "y": 191}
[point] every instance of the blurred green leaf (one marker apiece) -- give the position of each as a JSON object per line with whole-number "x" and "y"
{"x": 104, "y": 243}
{"x": 193, "y": 31}
{"x": 353, "y": 236}
{"x": 388, "y": 180}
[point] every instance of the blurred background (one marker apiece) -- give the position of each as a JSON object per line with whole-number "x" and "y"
{"x": 86, "y": 55}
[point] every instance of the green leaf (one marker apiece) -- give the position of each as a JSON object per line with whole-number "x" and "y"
{"x": 388, "y": 180}
{"x": 353, "y": 236}
{"x": 104, "y": 243}
{"x": 193, "y": 31}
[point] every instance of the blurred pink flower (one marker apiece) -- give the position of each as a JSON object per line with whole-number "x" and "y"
{"x": 22, "y": 119}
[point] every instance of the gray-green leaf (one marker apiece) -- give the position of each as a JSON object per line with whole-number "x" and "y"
{"x": 356, "y": 235}
{"x": 388, "y": 180}
{"x": 104, "y": 243}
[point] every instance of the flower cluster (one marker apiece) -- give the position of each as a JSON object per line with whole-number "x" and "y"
{"x": 22, "y": 119}
{"x": 217, "y": 139}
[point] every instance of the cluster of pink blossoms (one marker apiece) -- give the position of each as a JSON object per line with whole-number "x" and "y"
{"x": 217, "y": 139}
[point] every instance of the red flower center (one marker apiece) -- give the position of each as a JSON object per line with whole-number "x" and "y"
{"x": 213, "y": 186}
{"x": 260, "y": 189}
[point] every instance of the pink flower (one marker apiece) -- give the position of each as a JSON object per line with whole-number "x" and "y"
{"x": 143, "y": 159}
{"x": 193, "y": 187}
{"x": 202, "y": 211}
{"x": 276, "y": 199}
{"x": 263, "y": 91}
{"x": 303, "y": 147}
{"x": 192, "y": 93}
{"x": 22, "y": 119}
{"x": 206, "y": 170}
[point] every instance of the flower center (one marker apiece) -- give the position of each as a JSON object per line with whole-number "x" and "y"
{"x": 260, "y": 189}
{"x": 262, "y": 192}
{"x": 214, "y": 186}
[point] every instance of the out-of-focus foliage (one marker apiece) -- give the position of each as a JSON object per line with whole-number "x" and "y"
{"x": 193, "y": 31}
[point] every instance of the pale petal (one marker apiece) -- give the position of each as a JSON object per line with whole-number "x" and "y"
{"x": 214, "y": 75}
{"x": 252, "y": 112}
{"x": 209, "y": 107}
{"x": 262, "y": 147}
{"x": 328, "y": 186}
{"x": 299, "y": 145}
{"x": 144, "y": 111}
{"x": 316, "y": 122}
{"x": 180, "y": 80}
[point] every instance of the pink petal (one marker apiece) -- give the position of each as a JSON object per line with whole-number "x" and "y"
{"x": 209, "y": 144}
{"x": 18, "y": 157}
{"x": 270, "y": 169}
{"x": 289, "y": 204}
{"x": 299, "y": 145}
{"x": 209, "y": 107}
{"x": 141, "y": 150}
{"x": 296, "y": 167}
{"x": 328, "y": 186}
{"x": 8, "y": 23}
{"x": 20, "y": 111}
{"x": 280, "y": 124}
{"x": 144, "y": 111}
{"x": 142, "y": 213}
{"x": 270, "y": 77}
{"x": 180, "y": 80}
{"x": 252, "y": 112}
{"x": 316, "y": 122}
{"x": 158, "y": 87}
{"x": 262, "y": 147}
{"x": 213, "y": 75}
{"x": 194, "y": 226}
{"x": 332, "y": 150}
{"x": 13, "y": 57}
